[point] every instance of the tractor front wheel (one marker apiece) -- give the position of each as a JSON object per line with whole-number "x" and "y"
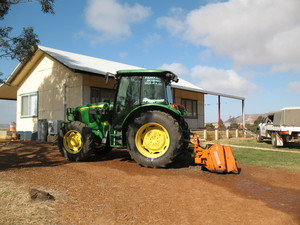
{"x": 154, "y": 139}
{"x": 76, "y": 141}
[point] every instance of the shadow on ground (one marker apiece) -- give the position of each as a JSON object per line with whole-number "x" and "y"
{"x": 22, "y": 154}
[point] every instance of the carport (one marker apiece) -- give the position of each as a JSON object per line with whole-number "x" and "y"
{"x": 219, "y": 95}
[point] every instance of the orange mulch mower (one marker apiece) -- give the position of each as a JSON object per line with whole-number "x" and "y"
{"x": 215, "y": 158}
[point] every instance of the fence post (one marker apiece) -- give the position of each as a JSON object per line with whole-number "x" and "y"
{"x": 227, "y": 134}
{"x": 216, "y": 134}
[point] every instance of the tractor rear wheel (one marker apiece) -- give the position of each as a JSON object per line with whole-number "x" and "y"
{"x": 154, "y": 139}
{"x": 76, "y": 141}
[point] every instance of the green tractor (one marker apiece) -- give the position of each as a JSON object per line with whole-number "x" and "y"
{"x": 142, "y": 119}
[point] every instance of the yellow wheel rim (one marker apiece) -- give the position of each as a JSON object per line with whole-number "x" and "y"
{"x": 152, "y": 140}
{"x": 73, "y": 141}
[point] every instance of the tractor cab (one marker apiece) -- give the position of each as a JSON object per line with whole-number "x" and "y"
{"x": 137, "y": 88}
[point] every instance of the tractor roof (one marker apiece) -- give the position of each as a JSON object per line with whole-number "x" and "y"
{"x": 149, "y": 72}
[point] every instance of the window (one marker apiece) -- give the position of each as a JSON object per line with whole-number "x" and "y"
{"x": 101, "y": 94}
{"x": 29, "y": 105}
{"x": 153, "y": 90}
{"x": 191, "y": 107}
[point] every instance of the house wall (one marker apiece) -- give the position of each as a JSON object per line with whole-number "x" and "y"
{"x": 95, "y": 81}
{"x": 199, "y": 97}
{"x": 57, "y": 88}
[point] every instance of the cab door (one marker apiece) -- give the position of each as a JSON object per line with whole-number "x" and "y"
{"x": 127, "y": 98}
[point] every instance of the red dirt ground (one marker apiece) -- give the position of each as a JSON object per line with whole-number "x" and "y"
{"x": 112, "y": 189}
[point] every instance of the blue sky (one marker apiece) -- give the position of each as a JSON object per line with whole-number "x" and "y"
{"x": 247, "y": 48}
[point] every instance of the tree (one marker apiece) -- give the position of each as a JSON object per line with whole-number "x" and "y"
{"x": 258, "y": 119}
{"x": 222, "y": 125}
{"x": 18, "y": 47}
{"x": 23, "y": 46}
{"x": 46, "y": 5}
{"x": 253, "y": 127}
{"x": 234, "y": 125}
{"x": 209, "y": 126}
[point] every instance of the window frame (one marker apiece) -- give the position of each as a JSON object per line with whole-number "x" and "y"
{"x": 32, "y": 109}
{"x": 194, "y": 113}
{"x": 100, "y": 90}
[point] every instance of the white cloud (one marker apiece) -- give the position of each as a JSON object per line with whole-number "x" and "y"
{"x": 112, "y": 19}
{"x": 151, "y": 39}
{"x": 176, "y": 68}
{"x": 286, "y": 67}
{"x": 251, "y": 32}
{"x": 174, "y": 23}
{"x": 223, "y": 81}
{"x": 213, "y": 79}
{"x": 294, "y": 86}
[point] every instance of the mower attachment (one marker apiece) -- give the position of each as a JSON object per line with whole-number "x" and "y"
{"x": 215, "y": 158}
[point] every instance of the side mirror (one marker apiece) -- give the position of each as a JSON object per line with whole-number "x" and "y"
{"x": 107, "y": 75}
{"x": 106, "y": 78}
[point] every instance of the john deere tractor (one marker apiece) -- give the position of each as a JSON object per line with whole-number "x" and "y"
{"x": 142, "y": 119}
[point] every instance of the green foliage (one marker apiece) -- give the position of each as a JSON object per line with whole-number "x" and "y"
{"x": 19, "y": 47}
{"x": 4, "y": 8}
{"x": 258, "y": 119}
{"x": 222, "y": 125}
{"x": 209, "y": 126}
{"x": 46, "y": 5}
{"x": 253, "y": 127}
{"x": 234, "y": 125}
{"x": 1, "y": 80}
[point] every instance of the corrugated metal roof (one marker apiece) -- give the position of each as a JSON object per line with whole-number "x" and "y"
{"x": 102, "y": 66}
{"x": 86, "y": 63}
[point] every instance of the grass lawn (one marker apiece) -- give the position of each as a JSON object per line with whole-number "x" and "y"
{"x": 263, "y": 158}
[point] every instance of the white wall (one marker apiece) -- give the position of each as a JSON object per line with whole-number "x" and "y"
{"x": 54, "y": 83}
{"x": 199, "y": 97}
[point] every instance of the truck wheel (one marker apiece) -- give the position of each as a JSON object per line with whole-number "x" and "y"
{"x": 274, "y": 139}
{"x": 76, "y": 141}
{"x": 154, "y": 139}
{"x": 258, "y": 137}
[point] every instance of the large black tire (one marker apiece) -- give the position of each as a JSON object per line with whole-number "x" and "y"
{"x": 154, "y": 139}
{"x": 186, "y": 135}
{"x": 259, "y": 137}
{"x": 76, "y": 141}
{"x": 274, "y": 139}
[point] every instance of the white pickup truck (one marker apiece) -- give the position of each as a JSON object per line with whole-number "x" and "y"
{"x": 281, "y": 126}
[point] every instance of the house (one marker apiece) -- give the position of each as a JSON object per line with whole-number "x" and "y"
{"x": 53, "y": 80}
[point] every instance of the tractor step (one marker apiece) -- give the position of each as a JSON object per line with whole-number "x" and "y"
{"x": 116, "y": 139}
